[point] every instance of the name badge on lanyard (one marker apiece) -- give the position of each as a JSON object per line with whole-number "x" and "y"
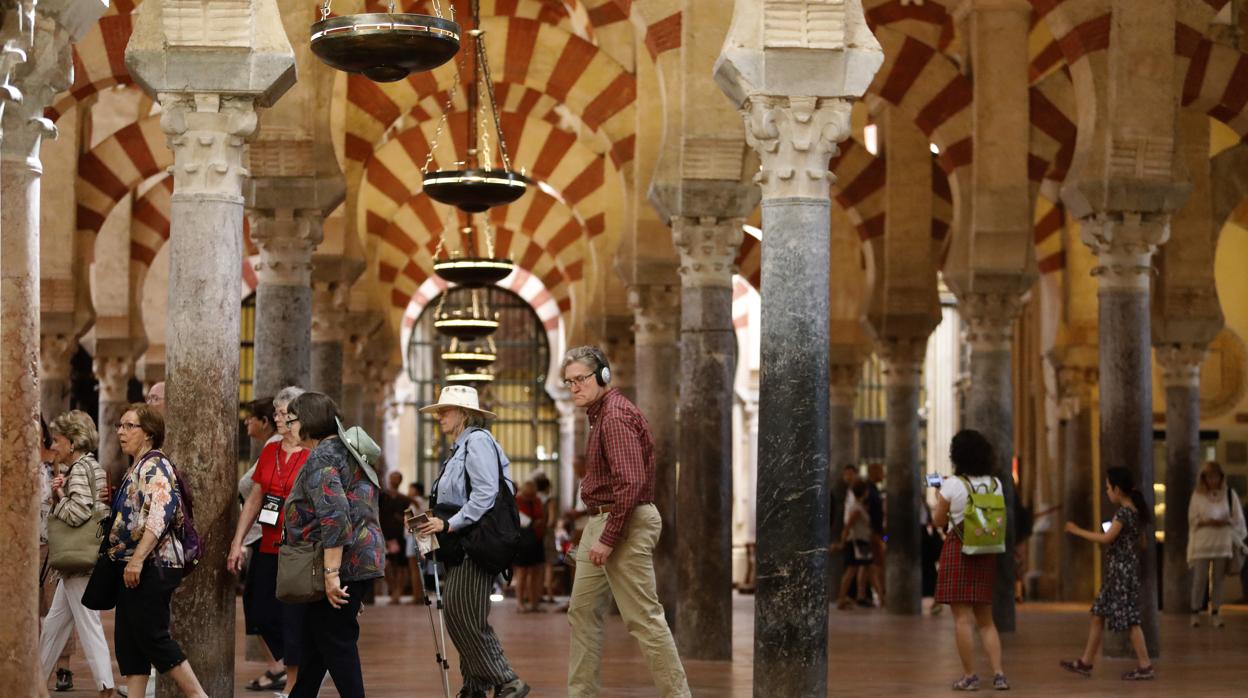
{"x": 270, "y": 509}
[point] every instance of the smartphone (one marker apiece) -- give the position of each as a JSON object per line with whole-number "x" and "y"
{"x": 1105, "y": 525}
{"x": 416, "y": 521}
{"x": 934, "y": 480}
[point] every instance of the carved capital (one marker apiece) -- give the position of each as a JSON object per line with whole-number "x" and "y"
{"x": 708, "y": 250}
{"x": 208, "y": 133}
{"x": 903, "y": 360}
{"x": 55, "y": 352}
{"x": 989, "y": 319}
{"x": 656, "y": 314}
{"x": 1180, "y": 364}
{"x": 1074, "y": 389}
{"x": 1124, "y": 244}
{"x": 114, "y": 374}
{"x": 843, "y": 384}
{"x": 31, "y": 85}
{"x": 286, "y": 240}
{"x": 795, "y": 137}
{"x": 329, "y": 311}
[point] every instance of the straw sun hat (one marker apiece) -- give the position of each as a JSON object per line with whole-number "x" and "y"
{"x": 458, "y": 396}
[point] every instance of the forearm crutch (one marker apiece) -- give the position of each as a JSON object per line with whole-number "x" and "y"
{"x": 438, "y": 628}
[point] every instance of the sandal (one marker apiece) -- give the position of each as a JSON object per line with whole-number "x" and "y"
{"x": 1140, "y": 674}
{"x": 967, "y": 683}
{"x": 64, "y": 680}
{"x": 1076, "y": 667}
{"x": 271, "y": 681}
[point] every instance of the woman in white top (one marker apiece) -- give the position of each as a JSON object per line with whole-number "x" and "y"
{"x": 966, "y": 582}
{"x": 856, "y": 542}
{"x": 1215, "y": 525}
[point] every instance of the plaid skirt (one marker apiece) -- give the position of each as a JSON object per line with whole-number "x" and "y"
{"x": 964, "y": 578}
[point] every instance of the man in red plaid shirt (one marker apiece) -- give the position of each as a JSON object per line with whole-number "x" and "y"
{"x": 618, "y": 542}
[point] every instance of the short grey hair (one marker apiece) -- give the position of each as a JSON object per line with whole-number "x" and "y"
{"x": 473, "y": 419}
{"x": 585, "y": 355}
{"x": 287, "y": 395}
{"x": 78, "y": 428}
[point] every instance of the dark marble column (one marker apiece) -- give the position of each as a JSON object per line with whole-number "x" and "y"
{"x": 708, "y": 361}
{"x": 328, "y": 335}
{"x": 989, "y": 320}
{"x": 903, "y": 369}
{"x": 1181, "y": 373}
{"x": 1077, "y": 559}
{"x": 656, "y": 312}
{"x": 1124, "y": 245}
{"x": 283, "y": 299}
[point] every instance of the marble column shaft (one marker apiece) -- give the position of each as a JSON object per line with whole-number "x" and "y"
{"x": 903, "y": 366}
{"x": 990, "y": 410}
{"x": 1077, "y": 559}
{"x": 206, "y": 133}
{"x": 113, "y": 373}
{"x": 795, "y": 137}
{"x": 1124, "y": 244}
{"x": 328, "y": 318}
{"x": 1181, "y": 373}
{"x": 24, "y": 127}
{"x": 656, "y": 310}
{"x": 286, "y": 239}
{"x": 708, "y": 362}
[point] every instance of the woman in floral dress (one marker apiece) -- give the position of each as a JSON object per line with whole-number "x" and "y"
{"x": 1118, "y": 603}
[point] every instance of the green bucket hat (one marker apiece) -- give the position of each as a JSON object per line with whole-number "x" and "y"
{"x": 362, "y": 448}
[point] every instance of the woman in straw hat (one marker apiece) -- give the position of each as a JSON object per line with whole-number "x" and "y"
{"x": 334, "y": 501}
{"x": 462, "y": 494}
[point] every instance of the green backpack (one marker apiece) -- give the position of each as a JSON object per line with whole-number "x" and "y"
{"x": 983, "y": 523}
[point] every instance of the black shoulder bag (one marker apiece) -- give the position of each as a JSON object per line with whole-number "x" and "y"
{"x": 493, "y": 541}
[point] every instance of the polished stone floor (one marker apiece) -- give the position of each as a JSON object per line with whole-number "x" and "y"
{"x": 872, "y": 654}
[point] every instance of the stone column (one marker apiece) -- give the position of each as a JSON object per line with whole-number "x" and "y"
{"x": 656, "y": 312}
{"x": 1180, "y": 365}
{"x": 708, "y": 361}
{"x": 567, "y": 456}
{"x": 286, "y": 238}
{"x": 208, "y": 102}
{"x": 23, "y": 129}
{"x": 796, "y": 110}
{"x": 903, "y": 370}
{"x": 989, "y": 331}
{"x": 114, "y": 374}
{"x": 329, "y": 315}
{"x": 55, "y": 353}
{"x": 353, "y": 377}
{"x": 1077, "y": 560}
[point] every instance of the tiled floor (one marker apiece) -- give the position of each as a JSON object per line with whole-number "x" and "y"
{"x": 871, "y": 654}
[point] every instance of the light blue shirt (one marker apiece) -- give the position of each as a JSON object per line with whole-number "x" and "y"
{"x": 476, "y": 453}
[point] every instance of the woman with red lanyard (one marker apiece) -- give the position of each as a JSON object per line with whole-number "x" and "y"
{"x": 280, "y": 624}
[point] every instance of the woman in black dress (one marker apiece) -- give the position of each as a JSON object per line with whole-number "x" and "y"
{"x": 1118, "y": 604}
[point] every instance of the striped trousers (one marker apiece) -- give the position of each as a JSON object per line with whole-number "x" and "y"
{"x": 467, "y": 603}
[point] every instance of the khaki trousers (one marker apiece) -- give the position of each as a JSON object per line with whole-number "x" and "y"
{"x": 629, "y": 577}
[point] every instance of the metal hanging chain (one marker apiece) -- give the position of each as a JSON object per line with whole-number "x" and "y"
{"x": 441, "y": 127}
{"x": 489, "y": 88}
{"x": 489, "y": 237}
{"x": 325, "y": 10}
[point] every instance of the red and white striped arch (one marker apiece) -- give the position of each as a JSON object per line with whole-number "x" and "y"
{"x": 520, "y": 282}
{"x": 115, "y": 167}
{"x": 99, "y": 58}
{"x": 929, "y": 22}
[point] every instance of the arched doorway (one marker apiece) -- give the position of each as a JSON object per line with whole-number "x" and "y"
{"x": 527, "y": 426}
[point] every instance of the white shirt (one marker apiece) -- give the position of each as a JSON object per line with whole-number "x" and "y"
{"x": 861, "y": 528}
{"x": 954, "y": 492}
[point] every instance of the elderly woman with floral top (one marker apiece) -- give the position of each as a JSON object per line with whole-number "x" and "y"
{"x": 334, "y": 501}
{"x": 146, "y": 511}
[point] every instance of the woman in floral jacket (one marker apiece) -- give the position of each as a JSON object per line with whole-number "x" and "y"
{"x": 146, "y": 512}
{"x": 334, "y": 500}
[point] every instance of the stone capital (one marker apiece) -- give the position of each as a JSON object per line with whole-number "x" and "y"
{"x": 795, "y": 137}
{"x": 329, "y": 311}
{"x": 1074, "y": 388}
{"x": 656, "y": 314}
{"x": 989, "y": 319}
{"x": 55, "y": 353}
{"x": 708, "y": 250}
{"x": 1124, "y": 244}
{"x": 902, "y": 359}
{"x": 31, "y": 87}
{"x": 114, "y": 374}
{"x": 207, "y": 133}
{"x": 1180, "y": 364}
{"x": 286, "y": 239}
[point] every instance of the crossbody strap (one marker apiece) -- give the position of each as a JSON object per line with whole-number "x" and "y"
{"x": 499, "y": 457}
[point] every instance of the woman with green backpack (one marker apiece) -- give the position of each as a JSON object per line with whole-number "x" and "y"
{"x": 972, "y": 506}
